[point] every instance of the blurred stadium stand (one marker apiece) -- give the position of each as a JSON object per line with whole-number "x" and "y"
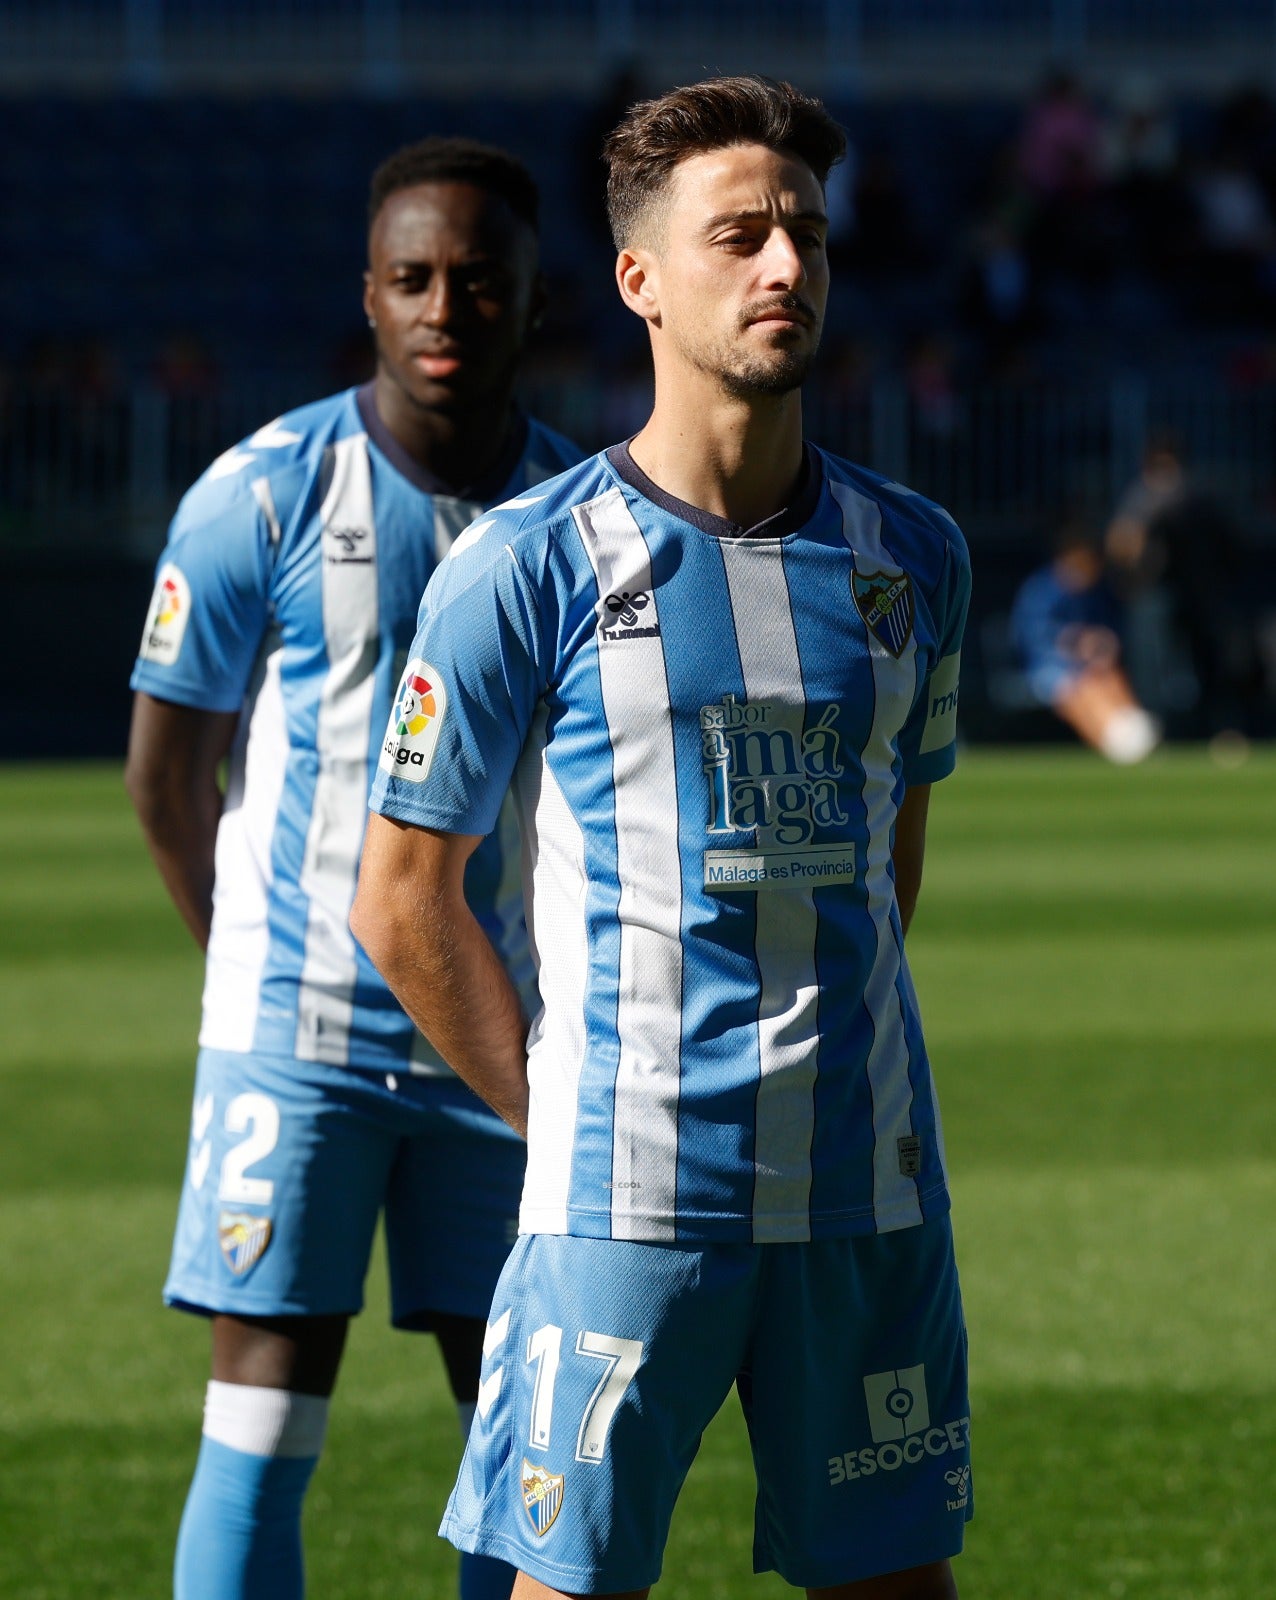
{"x": 182, "y": 191}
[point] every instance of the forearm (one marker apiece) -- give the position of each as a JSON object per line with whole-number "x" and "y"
{"x": 442, "y": 969}
{"x": 172, "y": 779}
{"x": 909, "y": 851}
{"x": 182, "y": 844}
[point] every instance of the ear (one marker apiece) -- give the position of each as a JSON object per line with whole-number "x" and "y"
{"x": 638, "y": 279}
{"x": 368, "y": 309}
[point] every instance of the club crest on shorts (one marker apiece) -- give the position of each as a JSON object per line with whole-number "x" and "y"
{"x": 886, "y": 604}
{"x": 243, "y": 1239}
{"x": 542, "y": 1496}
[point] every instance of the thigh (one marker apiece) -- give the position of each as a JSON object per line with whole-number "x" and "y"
{"x": 604, "y": 1362}
{"x": 451, "y": 1207}
{"x": 856, "y": 1398}
{"x": 287, "y": 1170}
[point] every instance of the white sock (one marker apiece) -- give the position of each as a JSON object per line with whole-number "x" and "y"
{"x": 265, "y": 1422}
{"x": 1130, "y": 736}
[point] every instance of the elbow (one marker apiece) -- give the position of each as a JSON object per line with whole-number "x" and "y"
{"x": 146, "y": 792}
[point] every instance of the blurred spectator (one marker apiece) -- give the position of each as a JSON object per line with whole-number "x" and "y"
{"x": 1066, "y": 623}
{"x": 1168, "y": 532}
{"x": 1237, "y": 235}
{"x": 1141, "y": 166}
{"x": 1059, "y": 148}
{"x": 1073, "y": 236}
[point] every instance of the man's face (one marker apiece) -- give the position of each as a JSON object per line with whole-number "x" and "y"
{"x": 452, "y": 286}
{"x": 740, "y": 275}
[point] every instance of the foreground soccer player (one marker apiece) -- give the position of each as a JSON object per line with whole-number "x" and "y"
{"x": 720, "y": 668}
{"x": 283, "y": 609}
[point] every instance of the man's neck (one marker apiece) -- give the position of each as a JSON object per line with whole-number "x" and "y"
{"x": 459, "y": 451}
{"x": 739, "y": 459}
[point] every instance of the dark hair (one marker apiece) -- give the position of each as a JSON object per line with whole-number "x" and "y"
{"x": 455, "y": 160}
{"x": 655, "y": 135}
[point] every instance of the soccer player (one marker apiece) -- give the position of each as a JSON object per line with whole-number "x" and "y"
{"x": 720, "y": 667}
{"x": 283, "y": 609}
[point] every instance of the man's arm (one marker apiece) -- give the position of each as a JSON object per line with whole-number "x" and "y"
{"x": 909, "y": 850}
{"x": 171, "y": 777}
{"x": 411, "y": 917}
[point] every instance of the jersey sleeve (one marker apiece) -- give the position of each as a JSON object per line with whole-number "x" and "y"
{"x": 465, "y": 703}
{"x": 928, "y": 741}
{"x": 210, "y": 606}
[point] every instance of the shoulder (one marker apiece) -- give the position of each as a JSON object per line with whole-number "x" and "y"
{"x": 918, "y": 532}
{"x": 271, "y": 466}
{"x": 533, "y": 524}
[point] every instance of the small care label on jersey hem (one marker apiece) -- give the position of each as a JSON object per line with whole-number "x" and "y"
{"x": 779, "y": 867}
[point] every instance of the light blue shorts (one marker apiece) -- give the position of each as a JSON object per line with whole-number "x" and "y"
{"x": 290, "y": 1164}
{"x": 605, "y": 1361}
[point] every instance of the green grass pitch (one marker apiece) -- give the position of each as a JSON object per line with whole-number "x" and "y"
{"x": 1095, "y": 953}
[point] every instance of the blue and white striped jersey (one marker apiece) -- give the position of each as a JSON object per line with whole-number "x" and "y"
{"x": 709, "y": 735}
{"x": 288, "y": 592}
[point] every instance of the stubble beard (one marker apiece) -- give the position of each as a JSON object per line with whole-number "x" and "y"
{"x": 749, "y": 375}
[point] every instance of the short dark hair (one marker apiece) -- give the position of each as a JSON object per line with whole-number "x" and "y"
{"x": 655, "y": 135}
{"x": 456, "y": 160}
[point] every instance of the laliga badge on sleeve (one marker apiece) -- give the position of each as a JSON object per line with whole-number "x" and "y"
{"x": 166, "y": 620}
{"x": 413, "y": 732}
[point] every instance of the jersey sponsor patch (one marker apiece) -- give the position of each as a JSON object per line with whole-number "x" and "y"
{"x": 243, "y": 1239}
{"x": 941, "y": 718}
{"x": 542, "y": 1496}
{"x": 167, "y": 618}
{"x": 805, "y": 867}
{"x": 886, "y": 604}
{"x": 413, "y": 733}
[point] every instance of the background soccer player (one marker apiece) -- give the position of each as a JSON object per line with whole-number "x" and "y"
{"x": 283, "y": 609}
{"x": 720, "y": 667}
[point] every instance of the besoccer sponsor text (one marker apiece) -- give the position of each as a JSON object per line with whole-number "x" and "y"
{"x": 902, "y": 1432}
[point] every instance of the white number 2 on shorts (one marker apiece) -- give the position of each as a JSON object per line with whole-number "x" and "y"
{"x": 622, "y": 1358}
{"x": 258, "y": 1116}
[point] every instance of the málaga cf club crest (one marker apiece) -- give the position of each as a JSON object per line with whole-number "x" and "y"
{"x": 542, "y": 1496}
{"x": 886, "y": 604}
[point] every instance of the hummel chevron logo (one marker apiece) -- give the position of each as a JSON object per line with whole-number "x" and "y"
{"x": 227, "y": 465}
{"x": 201, "y": 1117}
{"x": 494, "y": 1334}
{"x": 493, "y": 1338}
{"x": 199, "y": 1165}
{"x": 472, "y": 535}
{"x": 489, "y": 1389}
{"x": 273, "y": 437}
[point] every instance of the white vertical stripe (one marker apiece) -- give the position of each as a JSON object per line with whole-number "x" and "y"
{"x": 636, "y": 706}
{"x": 555, "y": 868}
{"x": 450, "y": 517}
{"x": 895, "y": 1201}
{"x": 335, "y": 835}
{"x": 265, "y": 499}
{"x": 786, "y": 921}
{"x": 239, "y": 944}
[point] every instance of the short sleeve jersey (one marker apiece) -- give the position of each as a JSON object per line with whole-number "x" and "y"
{"x": 288, "y": 593}
{"x": 709, "y": 737}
